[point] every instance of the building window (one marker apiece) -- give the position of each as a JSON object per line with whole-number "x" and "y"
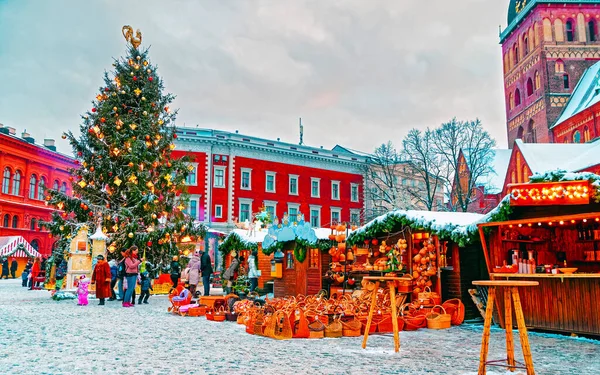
{"x": 194, "y": 209}
{"x": 219, "y": 179}
{"x": 566, "y": 81}
{"x": 15, "y": 221}
{"x": 592, "y": 30}
{"x": 16, "y": 188}
{"x": 315, "y": 216}
{"x": 354, "y": 217}
{"x": 35, "y": 244}
{"x": 515, "y": 54}
{"x": 270, "y": 207}
{"x": 32, "y": 224}
{"x": 538, "y": 82}
{"x": 559, "y": 66}
{"x": 6, "y": 181}
{"x": 511, "y": 101}
{"x": 335, "y": 190}
{"x": 354, "y": 192}
{"x": 293, "y": 185}
{"x": 63, "y": 188}
{"x": 529, "y": 87}
{"x": 586, "y": 134}
{"x": 335, "y": 215}
{"x": 32, "y": 186}
{"x": 526, "y": 44}
{"x": 570, "y": 31}
{"x": 270, "y": 182}
{"x": 531, "y": 136}
{"x": 314, "y": 258}
{"x": 218, "y": 211}
{"x": 315, "y": 187}
{"x": 289, "y": 256}
{"x": 6, "y": 220}
{"x": 246, "y": 183}
{"x": 293, "y": 210}
{"x": 576, "y": 136}
{"x": 192, "y": 178}
{"x": 245, "y": 210}
{"x": 41, "y": 188}
{"x": 517, "y": 98}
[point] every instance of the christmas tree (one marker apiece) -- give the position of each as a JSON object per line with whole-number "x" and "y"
{"x": 127, "y": 180}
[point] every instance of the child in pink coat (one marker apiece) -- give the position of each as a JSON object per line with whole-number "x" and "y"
{"x": 82, "y": 290}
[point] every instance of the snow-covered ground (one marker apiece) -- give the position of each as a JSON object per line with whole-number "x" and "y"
{"x": 42, "y": 336}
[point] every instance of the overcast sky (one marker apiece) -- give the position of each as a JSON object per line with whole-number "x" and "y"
{"x": 358, "y": 72}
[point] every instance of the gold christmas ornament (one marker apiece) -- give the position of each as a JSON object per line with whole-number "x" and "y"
{"x": 61, "y": 228}
{"x": 117, "y": 181}
{"x": 115, "y": 109}
{"x": 123, "y": 92}
{"x": 136, "y": 40}
{"x": 160, "y": 122}
{"x": 148, "y": 71}
{"x": 132, "y": 179}
{"x": 96, "y": 129}
{"x": 138, "y": 57}
{"x": 149, "y": 184}
{"x": 146, "y": 63}
{"x": 143, "y": 98}
{"x": 154, "y": 216}
{"x": 145, "y": 113}
{"x": 115, "y": 227}
{"x": 130, "y": 235}
{"x": 130, "y": 164}
{"x": 137, "y": 92}
{"x": 82, "y": 184}
{"x": 132, "y": 126}
{"x": 172, "y": 146}
{"x": 136, "y": 66}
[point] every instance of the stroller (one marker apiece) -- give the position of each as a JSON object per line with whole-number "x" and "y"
{"x": 179, "y": 297}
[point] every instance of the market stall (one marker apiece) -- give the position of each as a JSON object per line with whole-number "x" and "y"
{"x": 18, "y": 248}
{"x": 548, "y": 230}
{"x": 439, "y": 250}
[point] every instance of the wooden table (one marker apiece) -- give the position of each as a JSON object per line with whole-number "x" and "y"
{"x": 512, "y": 285}
{"x": 391, "y": 283}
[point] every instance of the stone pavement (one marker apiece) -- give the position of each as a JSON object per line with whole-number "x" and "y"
{"x": 42, "y": 336}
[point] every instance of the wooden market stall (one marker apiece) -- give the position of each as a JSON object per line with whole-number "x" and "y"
{"x": 437, "y": 249}
{"x": 291, "y": 266}
{"x": 550, "y": 231}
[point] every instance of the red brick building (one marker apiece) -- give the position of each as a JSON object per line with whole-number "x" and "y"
{"x": 27, "y": 169}
{"x": 235, "y": 175}
{"x": 546, "y": 48}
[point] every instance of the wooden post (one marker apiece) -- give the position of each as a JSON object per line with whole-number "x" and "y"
{"x": 485, "y": 250}
{"x": 392, "y": 287}
{"x": 485, "y": 342}
{"x": 510, "y": 343}
{"x": 370, "y": 319}
{"x": 522, "y": 331}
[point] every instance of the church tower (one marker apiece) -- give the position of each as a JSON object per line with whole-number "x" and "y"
{"x": 546, "y": 47}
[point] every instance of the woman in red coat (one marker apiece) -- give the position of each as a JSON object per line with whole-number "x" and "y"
{"x": 101, "y": 277}
{"x": 35, "y": 272}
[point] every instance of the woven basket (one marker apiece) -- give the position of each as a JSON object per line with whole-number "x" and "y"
{"x": 197, "y": 311}
{"x": 456, "y": 309}
{"x": 351, "y": 328}
{"x": 438, "y": 320}
{"x": 334, "y": 329}
{"x": 220, "y": 315}
{"x": 412, "y": 322}
{"x": 210, "y": 314}
{"x": 316, "y": 330}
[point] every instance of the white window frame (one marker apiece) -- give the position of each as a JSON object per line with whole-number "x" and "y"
{"x": 294, "y": 176}
{"x": 355, "y": 212}
{"x": 267, "y": 175}
{"x": 249, "y": 203}
{"x": 249, "y": 171}
{"x": 219, "y": 168}
{"x": 333, "y": 183}
{"x": 311, "y": 208}
{"x": 337, "y": 210}
{"x": 197, "y": 199}
{"x": 318, "y": 181}
{"x": 352, "y": 187}
{"x": 195, "y": 170}
{"x": 218, "y": 211}
{"x": 290, "y": 206}
{"x": 271, "y": 204}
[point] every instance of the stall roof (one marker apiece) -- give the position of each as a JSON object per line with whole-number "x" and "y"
{"x": 457, "y": 226}
{"x": 11, "y": 246}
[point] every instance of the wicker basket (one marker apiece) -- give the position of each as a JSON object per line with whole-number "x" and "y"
{"x": 438, "y": 320}
{"x": 316, "y": 330}
{"x": 334, "y": 329}
{"x": 197, "y": 311}
{"x": 351, "y": 328}
{"x": 412, "y": 322}
{"x": 456, "y": 309}
{"x": 220, "y": 315}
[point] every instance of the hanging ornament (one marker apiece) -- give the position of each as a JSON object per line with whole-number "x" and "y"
{"x": 133, "y": 179}
{"x": 150, "y": 79}
{"x": 117, "y": 181}
{"x": 137, "y": 91}
{"x": 145, "y": 113}
{"x": 134, "y": 77}
{"x": 115, "y": 227}
{"x": 149, "y": 243}
{"x": 130, "y": 235}
{"x": 79, "y": 153}
{"x": 116, "y": 151}
{"x": 148, "y": 71}
{"x": 167, "y": 109}
{"x": 61, "y": 228}
{"x": 149, "y": 184}
{"x": 143, "y": 98}
{"x": 130, "y": 164}
{"x": 138, "y": 57}
{"x": 102, "y": 119}
{"x": 82, "y": 184}
{"x": 93, "y": 109}
{"x": 115, "y": 109}
{"x": 99, "y": 97}
{"x": 123, "y": 92}
{"x": 148, "y": 144}
{"x": 136, "y": 67}
{"x": 172, "y": 146}
{"x": 92, "y": 168}
{"x": 160, "y": 122}
{"x": 145, "y": 63}
{"x": 132, "y": 126}
{"x": 96, "y": 129}
{"x": 154, "y": 216}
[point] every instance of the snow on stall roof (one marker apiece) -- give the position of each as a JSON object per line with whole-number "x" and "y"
{"x": 259, "y": 236}
{"x": 585, "y": 94}
{"x": 542, "y": 157}
{"x": 494, "y": 181}
{"x": 438, "y": 221}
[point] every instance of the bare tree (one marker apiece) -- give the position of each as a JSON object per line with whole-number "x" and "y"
{"x": 476, "y": 145}
{"x": 382, "y": 172}
{"x": 426, "y": 164}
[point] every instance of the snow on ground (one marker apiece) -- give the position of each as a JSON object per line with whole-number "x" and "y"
{"x": 42, "y": 336}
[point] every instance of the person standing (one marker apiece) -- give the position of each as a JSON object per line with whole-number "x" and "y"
{"x": 4, "y": 268}
{"x": 207, "y": 270}
{"x": 253, "y": 273}
{"x": 25, "y": 274}
{"x": 131, "y": 273}
{"x": 145, "y": 287}
{"x": 13, "y": 268}
{"x": 194, "y": 274}
{"x": 121, "y": 278}
{"x": 102, "y": 278}
{"x": 35, "y": 271}
{"x": 114, "y": 268}
{"x": 175, "y": 272}
{"x": 61, "y": 272}
{"x": 229, "y": 274}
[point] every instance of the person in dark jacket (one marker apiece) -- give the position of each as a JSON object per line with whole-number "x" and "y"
{"x": 13, "y": 268}
{"x": 207, "y": 270}
{"x": 175, "y": 272}
{"x": 145, "y": 287}
{"x": 61, "y": 272}
{"x": 114, "y": 267}
{"x": 25, "y": 274}
{"x": 4, "y": 268}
